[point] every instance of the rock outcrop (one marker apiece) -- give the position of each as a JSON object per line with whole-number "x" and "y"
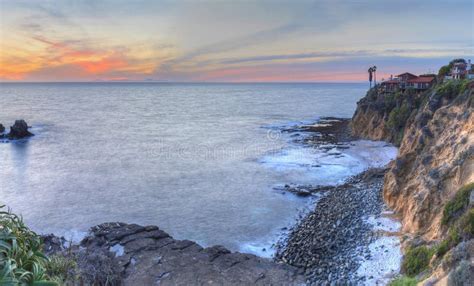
{"x": 436, "y": 155}
{"x": 19, "y": 130}
{"x": 130, "y": 254}
{"x": 2, "y": 128}
{"x": 370, "y": 118}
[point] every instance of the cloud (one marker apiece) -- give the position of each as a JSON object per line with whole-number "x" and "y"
{"x": 261, "y": 37}
{"x": 55, "y": 57}
{"x": 344, "y": 54}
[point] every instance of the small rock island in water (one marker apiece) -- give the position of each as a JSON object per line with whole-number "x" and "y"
{"x": 19, "y": 130}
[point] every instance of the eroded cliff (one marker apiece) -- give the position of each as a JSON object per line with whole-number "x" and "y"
{"x": 435, "y": 134}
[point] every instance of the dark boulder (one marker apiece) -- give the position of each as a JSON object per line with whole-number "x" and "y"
{"x": 19, "y": 130}
{"x": 2, "y": 128}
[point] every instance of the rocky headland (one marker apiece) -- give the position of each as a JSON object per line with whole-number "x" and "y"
{"x": 430, "y": 184}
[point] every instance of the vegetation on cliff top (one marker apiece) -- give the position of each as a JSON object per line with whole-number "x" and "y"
{"x": 451, "y": 88}
{"x": 397, "y": 107}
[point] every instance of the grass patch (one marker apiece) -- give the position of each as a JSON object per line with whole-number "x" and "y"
{"x": 403, "y": 281}
{"x": 416, "y": 260}
{"x": 457, "y": 205}
{"x": 61, "y": 269}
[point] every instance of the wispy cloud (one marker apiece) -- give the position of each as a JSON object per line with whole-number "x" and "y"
{"x": 347, "y": 54}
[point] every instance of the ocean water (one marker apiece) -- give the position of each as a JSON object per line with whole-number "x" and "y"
{"x": 198, "y": 160}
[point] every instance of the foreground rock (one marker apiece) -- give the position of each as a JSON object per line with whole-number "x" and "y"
{"x": 19, "y": 130}
{"x": 130, "y": 254}
{"x": 2, "y": 128}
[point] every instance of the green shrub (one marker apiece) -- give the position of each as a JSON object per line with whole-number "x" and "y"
{"x": 443, "y": 248}
{"x": 451, "y": 89}
{"x": 416, "y": 260}
{"x": 449, "y": 242}
{"x": 398, "y": 117}
{"x": 466, "y": 224}
{"x": 457, "y": 205}
{"x": 460, "y": 60}
{"x": 389, "y": 102}
{"x": 22, "y": 261}
{"x": 464, "y": 85}
{"x": 403, "y": 281}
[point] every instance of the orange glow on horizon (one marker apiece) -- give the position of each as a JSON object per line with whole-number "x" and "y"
{"x": 18, "y": 65}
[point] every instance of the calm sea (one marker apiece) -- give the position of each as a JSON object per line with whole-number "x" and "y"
{"x": 199, "y": 160}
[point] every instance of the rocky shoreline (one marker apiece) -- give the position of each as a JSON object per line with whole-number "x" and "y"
{"x": 329, "y": 242}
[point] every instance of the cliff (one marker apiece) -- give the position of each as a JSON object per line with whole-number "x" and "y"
{"x": 435, "y": 134}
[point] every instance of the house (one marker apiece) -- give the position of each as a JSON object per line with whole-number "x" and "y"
{"x": 390, "y": 85}
{"x": 458, "y": 71}
{"x": 461, "y": 70}
{"x": 404, "y": 78}
{"x": 408, "y": 80}
{"x": 420, "y": 82}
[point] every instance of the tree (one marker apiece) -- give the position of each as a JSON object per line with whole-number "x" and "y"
{"x": 374, "y": 69}
{"x": 451, "y": 63}
{"x": 370, "y": 71}
{"x": 444, "y": 70}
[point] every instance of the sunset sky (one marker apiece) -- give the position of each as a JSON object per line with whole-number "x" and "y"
{"x": 224, "y": 41}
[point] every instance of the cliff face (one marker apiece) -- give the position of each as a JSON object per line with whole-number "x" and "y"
{"x": 435, "y": 132}
{"x": 435, "y": 160}
{"x": 370, "y": 118}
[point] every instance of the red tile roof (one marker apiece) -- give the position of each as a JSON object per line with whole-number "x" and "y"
{"x": 406, "y": 73}
{"x": 422, "y": 79}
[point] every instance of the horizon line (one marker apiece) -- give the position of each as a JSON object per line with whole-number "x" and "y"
{"x": 180, "y": 82}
